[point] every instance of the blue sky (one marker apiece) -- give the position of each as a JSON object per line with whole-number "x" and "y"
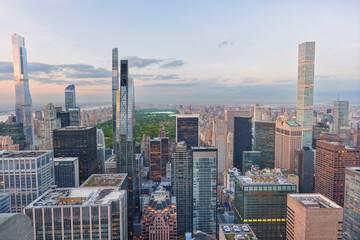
{"x": 183, "y": 51}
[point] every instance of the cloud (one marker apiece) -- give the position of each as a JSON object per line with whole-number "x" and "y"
{"x": 226, "y": 43}
{"x": 173, "y": 64}
{"x": 6, "y": 67}
{"x": 250, "y": 80}
{"x": 138, "y": 62}
{"x": 167, "y": 77}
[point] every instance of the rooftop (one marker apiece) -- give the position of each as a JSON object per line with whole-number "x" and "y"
{"x": 65, "y": 159}
{"x": 22, "y": 154}
{"x": 73, "y": 128}
{"x": 105, "y": 180}
{"x": 264, "y": 178}
{"x": 187, "y": 115}
{"x": 83, "y": 196}
{"x": 292, "y": 124}
{"x": 314, "y": 200}
{"x": 237, "y": 232}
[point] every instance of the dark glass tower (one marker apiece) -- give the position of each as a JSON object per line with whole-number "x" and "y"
{"x": 159, "y": 157}
{"x": 187, "y": 129}
{"x": 15, "y": 131}
{"x": 70, "y": 97}
{"x": 264, "y": 139}
{"x": 78, "y": 142}
{"x": 64, "y": 118}
{"x": 125, "y": 137}
{"x": 305, "y": 169}
{"x": 115, "y": 88}
{"x": 242, "y": 139}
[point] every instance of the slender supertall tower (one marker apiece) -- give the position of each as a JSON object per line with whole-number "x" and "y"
{"x": 305, "y": 90}
{"x": 115, "y": 88}
{"x": 22, "y": 92}
{"x": 125, "y": 152}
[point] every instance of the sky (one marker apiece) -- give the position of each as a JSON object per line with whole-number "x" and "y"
{"x": 183, "y": 51}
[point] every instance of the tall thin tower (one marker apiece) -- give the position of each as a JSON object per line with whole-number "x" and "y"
{"x": 115, "y": 88}
{"x": 22, "y": 92}
{"x": 125, "y": 153}
{"x": 305, "y": 90}
{"x": 70, "y": 97}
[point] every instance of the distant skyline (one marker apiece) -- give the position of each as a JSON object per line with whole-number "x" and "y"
{"x": 183, "y": 52}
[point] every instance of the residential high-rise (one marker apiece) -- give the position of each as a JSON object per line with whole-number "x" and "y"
{"x": 6, "y": 143}
{"x": 125, "y": 136}
{"x": 187, "y": 129}
{"x": 100, "y": 140}
{"x": 25, "y": 175}
{"x": 159, "y": 157}
{"x": 78, "y": 142}
{"x": 75, "y": 117}
{"x": 159, "y": 219}
{"x": 251, "y": 158}
{"x": 313, "y": 216}
{"x": 219, "y": 136}
{"x": 14, "y": 130}
{"x": 115, "y": 88}
{"x": 260, "y": 201}
{"x": 80, "y": 213}
{"x": 288, "y": 138}
{"x": 332, "y": 158}
{"x": 242, "y": 139}
{"x": 47, "y": 126}
{"x": 340, "y": 116}
{"x": 230, "y": 150}
{"x": 264, "y": 141}
{"x": 182, "y": 187}
{"x": 70, "y": 97}
{"x": 257, "y": 112}
{"x": 305, "y": 91}
{"x": 204, "y": 189}
{"x": 352, "y": 203}
{"x": 305, "y": 169}
{"x": 22, "y": 93}
{"x": 66, "y": 172}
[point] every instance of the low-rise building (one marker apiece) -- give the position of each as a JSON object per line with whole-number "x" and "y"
{"x": 236, "y": 232}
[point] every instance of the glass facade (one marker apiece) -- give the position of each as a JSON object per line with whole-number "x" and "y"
{"x": 159, "y": 157}
{"x": 187, "y": 130}
{"x": 5, "y": 203}
{"x": 242, "y": 139}
{"x": 264, "y": 139}
{"x": 66, "y": 172}
{"x": 262, "y": 205}
{"x": 64, "y": 118}
{"x": 205, "y": 190}
{"x": 15, "y": 131}
{"x": 251, "y": 158}
{"x": 70, "y": 97}
{"x": 305, "y": 169}
{"x": 22, "y": 93}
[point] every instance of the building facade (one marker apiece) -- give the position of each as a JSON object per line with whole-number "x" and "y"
{"x": 204, "y": 186}
{"x": 14, "y": 130}
{"x": 187, "y": 129}
{"x": 305, "y": 169}
{"x": 251, "y": 158}
{"x": 70, "y": 97}
{"x": 242, "y": 139}
{"x": 25, "y": 175}
{"x": 66, "y": 172}
{"x": 115, "y": 88}
{"x": 47, "y": 126}
{"x": 6, "y": 143}
{"x": 159, "y": 157}
{"x": 305, "y": 91}
{"x": 340, "y": 116}
{"x": 264, "y": 141}
{"x": 219, "y": 136}
{"x": 4, "y": 202}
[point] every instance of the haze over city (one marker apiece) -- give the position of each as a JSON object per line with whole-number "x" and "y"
{"x": 203, "y": 51}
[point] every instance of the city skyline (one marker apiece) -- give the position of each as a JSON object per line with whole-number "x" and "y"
{"x": 190, "y": 63}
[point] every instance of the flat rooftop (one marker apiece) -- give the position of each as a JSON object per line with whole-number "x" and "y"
{"x": 292, "y": 124}
{"x": 266, "y": 179}
{"x": 82, "y": 196}
{"x": 22, "y": 154}
{"x": 73, "y": 128}
{"x": 105, "y": 180}
{"x": 238, "y": 231}
{"x": 314, "y": 200}
{"x": 187, "y": 115}
{"x": 65, "y": 159}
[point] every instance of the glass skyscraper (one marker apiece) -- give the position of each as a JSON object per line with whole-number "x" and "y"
{"x": 159, "y": 157}
{"x": 187, "y": 129}
{"x": 242, "y": 139}
{"x": 264, "y": 139}
{"x": 22, "y": 93}
{"x": 16, "y": 131}
{"x": 115, "y": 88}
{"x": 70, "y": 97}
{"x": 305, "y": 90}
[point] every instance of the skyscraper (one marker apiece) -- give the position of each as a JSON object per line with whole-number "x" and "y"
{"x": 305, "y": 169}
{"x": 70, "y": 97}
{"x": 305, "y": 91}
{"x": 242, "y": 139}
{"x": 47, "y": 126}
{"x": 257, "y": 112}
{"x": 288, "y": 138}
{"x": 66, "y": 172}
{"x": 204, "y": 189}
{"x": 75, "y": 117}
{"x": 187, "y": 129}
{"x": 22, "y": 93}
{"x": 125, "y": 136}
{"x": 15, "y": 130}
{"x": 264, "y": 139}
{"x": 341, "y": 116}
{"x": 219, "y": 136}
{"x": 159, "y": 157}
{"x": 352, "y": 204}
{"x": 182, "y": 187}
{"x": 115, "y": 88}
{"x": 251, "y": 158}
{"x": 332, "y": 158}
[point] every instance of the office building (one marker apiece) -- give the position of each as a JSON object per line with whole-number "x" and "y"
{"x": 78, "y": 142}
{"x": 64, "y": 118}
{"x": 242, "y": 139}
{"x": 15, "y": 226}
{"x": 332, "y": 157}
{"x": 187, "y": 129}
{"x": 25, "y": 175}
{"x": 230, "y": 150}
{"x": 70, "y": 97}
{"x": 4, "y": 203}
{"x": 100, "y": 140}
{"x": 125, "y": 136}
{"x": 230, "y": 114}
{"x": 236, "y": 231}
{"x": 79, "y": 213}
{"x": 204, "y": 189}
{"x": 305, "y": 169}
{"x": 182, "y": 187}
{"x": 219, "y": 136}
{"x": 288, "y": 138}
{"x": 257, "y": 113}
{"x": 22, "y": 93}
{"x": 352, "y": 203}
{"x": 14, "y": 130}
{"x": 75, "y": 117}
{"x": 47, "y": 126}
{"x": 264, "y": 141}
{"x": 115, "y": 88}
{"x": 341, "y": 116}
{"x": 251, "y": 158}
{"x": 159, "y": 157}
{"x": 265, "y": 215}
{"x": 305, "y": 91}
{"x": 268, "y": 114}
{"x": 66, "y": 172}
{"x": 6, "y": 143}
{"x": 313, "y": 216}
{"x": 159, "y": 219}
